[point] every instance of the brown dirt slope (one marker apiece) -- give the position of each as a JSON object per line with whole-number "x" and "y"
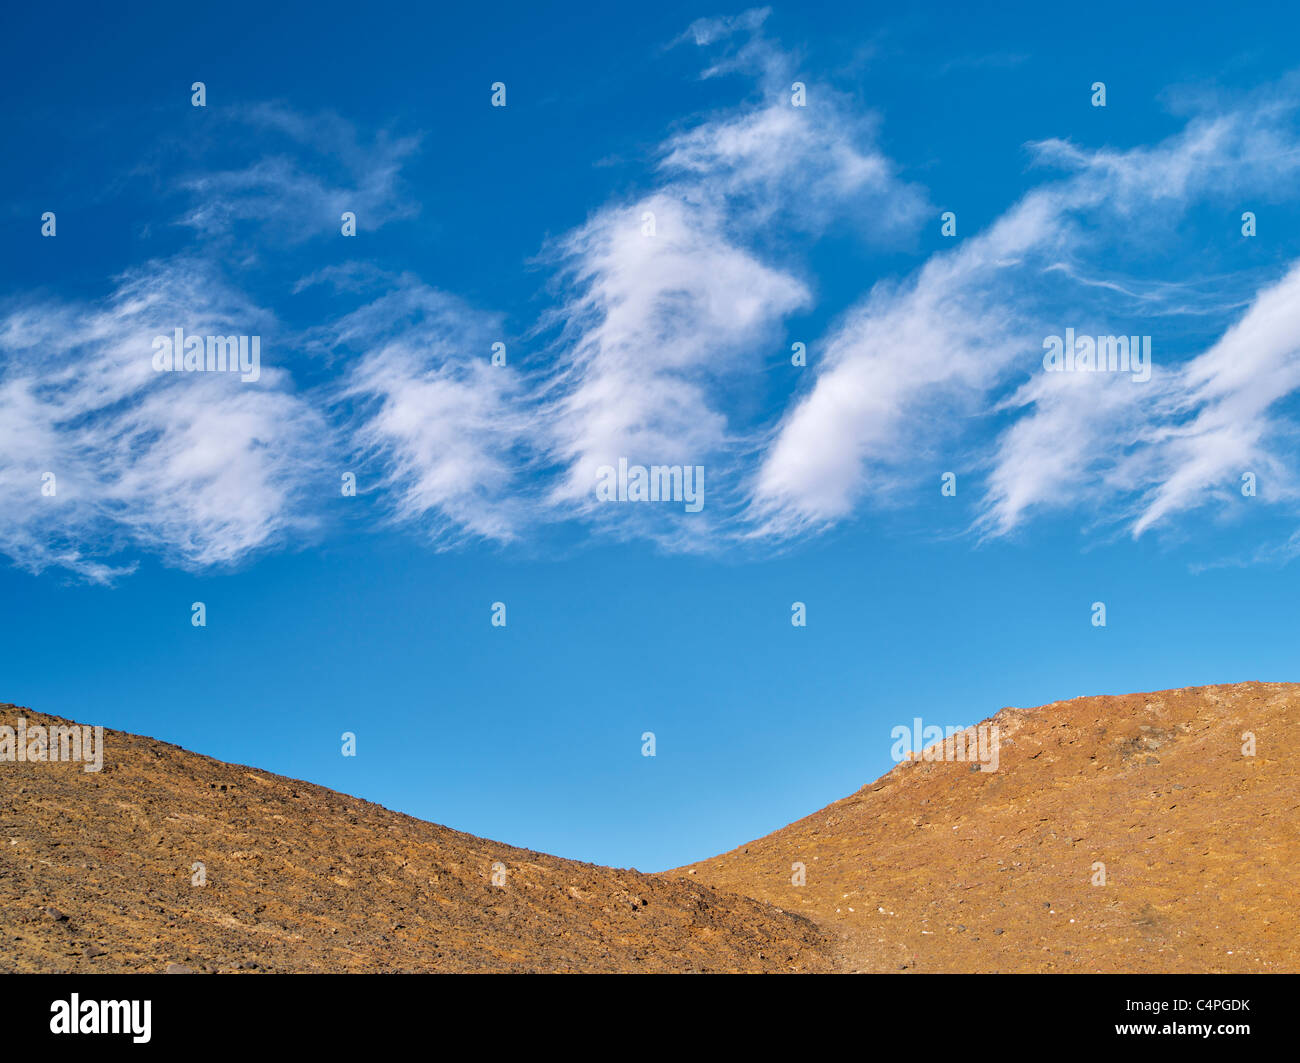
{"x": 95, "y": 875}
{"x": 938, "y": 867}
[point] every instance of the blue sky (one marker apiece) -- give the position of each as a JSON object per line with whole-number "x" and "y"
{"x": 774, "y": 224}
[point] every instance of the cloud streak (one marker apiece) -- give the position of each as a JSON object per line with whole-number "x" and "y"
{"x": 667, "y": 306}
{"x": 198, "y": 467}
{"x": 927, "y": 367}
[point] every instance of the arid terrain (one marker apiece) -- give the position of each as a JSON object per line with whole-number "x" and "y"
{"x": 96, "y": 875}
{"x": 1117, "y": 834}
{"x": 941, "y": 867}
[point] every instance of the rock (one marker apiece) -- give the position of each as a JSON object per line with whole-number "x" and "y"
{"x": 177, "y": 968}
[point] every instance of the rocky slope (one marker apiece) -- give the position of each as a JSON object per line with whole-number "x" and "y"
{"x": 96, "y": 874}
{"x": 939, "y": 866}
{"x": 1117, "y": 834}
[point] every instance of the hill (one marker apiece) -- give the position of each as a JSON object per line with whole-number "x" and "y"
{"x": 1130, "y": 833}
{"x": 939, "y": 866}
{"x": 97, "y": 873}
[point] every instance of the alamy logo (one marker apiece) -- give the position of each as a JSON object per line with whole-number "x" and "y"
{"x": 62, "y": 742}
{"x": 658, "y": 483}
{"x": 102, "y": 1016}
{"x": 179, "y": 353}
{"x": 977, "y": 744}
{"x": 1099, "y": 354}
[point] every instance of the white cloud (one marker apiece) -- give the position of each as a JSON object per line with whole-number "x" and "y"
{"x": 654, "y": 325}
{"x": 657, "y": 342}
{"x": 1140, "y": 454}
{"x": 1223, "y": 412}
{"x": 658, "y": 328}
{"x": 1069, "y": 449}
{"x": 446, "y": 427}
{"x": 916, "y": 368}
{"x": 807, "y": 165}
{"x": 895, "y": 375}
{"x": 306, "y": 171}
{"x": 198, "y": 467}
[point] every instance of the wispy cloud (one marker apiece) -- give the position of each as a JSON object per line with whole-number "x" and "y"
{"x": 295, "y": 175}
{"x": 443, "y": 428}
{"x": 668, "y": 299}
{"x": 929, "y": 365}
{"x": 665, "y": 306}
{"x": 199, "y": 467}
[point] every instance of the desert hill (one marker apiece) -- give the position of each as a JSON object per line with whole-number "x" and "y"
{"x": 96, "y": 875}
{"x": 1117, "y": 834}
{"x": 939, "y": 866}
